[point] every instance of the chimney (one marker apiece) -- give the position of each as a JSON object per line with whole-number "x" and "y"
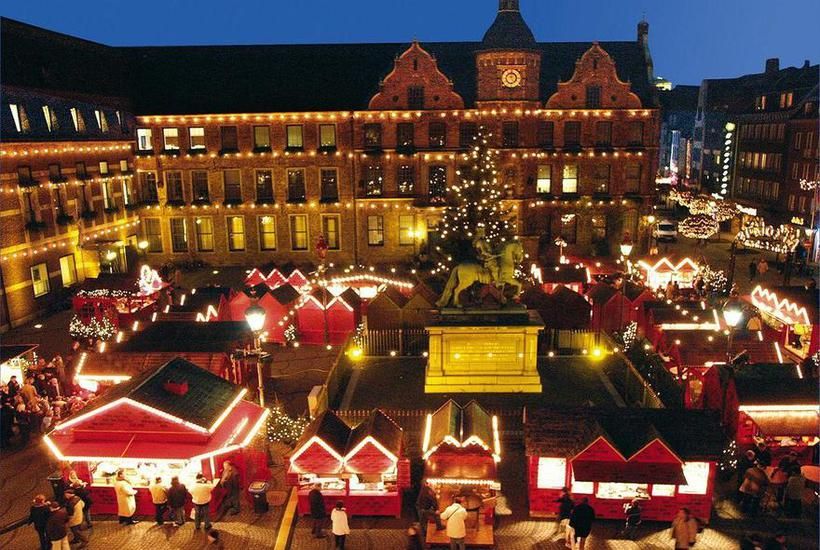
{"x": 806, "y": 64}
{"x": 772, "y": 65}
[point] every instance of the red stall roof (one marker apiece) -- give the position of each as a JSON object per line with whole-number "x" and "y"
{"x": 461, "y": 427}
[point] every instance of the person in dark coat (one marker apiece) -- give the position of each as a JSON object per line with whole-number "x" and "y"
{"x": 38, "y": 517}
{"x": 427, "y": 508}
{"x": 230, "y": 482}
{"x": 177, "y": 495}
{"x": 57, "y": 527}
{"x": 581, "y": 522}
{"x": 317, "y": 511}
{"x": 763, "y": 454}
{"x": 414, "y": 537}
{"x": 752, "y": 270}
{"x": 746, "y": 461}
{"x": 13, "y": 386}
{"x": 565, "y": 506}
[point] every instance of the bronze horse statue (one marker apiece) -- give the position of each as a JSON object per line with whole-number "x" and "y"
{"x": 463, "y": 275}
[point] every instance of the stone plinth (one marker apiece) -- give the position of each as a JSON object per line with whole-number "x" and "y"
{"x": 484, "y": 352}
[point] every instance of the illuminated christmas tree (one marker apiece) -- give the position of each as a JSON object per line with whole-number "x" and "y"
{"x": 475, "y": 202}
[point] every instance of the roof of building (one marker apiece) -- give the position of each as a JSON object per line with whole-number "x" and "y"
{"x": 183, "y": 336}
{"x": 774, "y": 384}
{"x": 206, "y": 398}
{"x": 130, "y": 364}
{"x": 329, "y": 428}
{"x": 737, "y": 95}
{"x": 509, "y": 31}
{"x": 246, "y": 79}
{"x": 574, "y": 273}
{"x": 285, "y": 294}
{"x": 601, "y": 293}
{"x": 12, "y": 351}
{"x": 680, "y": 98}
{"x": 381, "y": 428}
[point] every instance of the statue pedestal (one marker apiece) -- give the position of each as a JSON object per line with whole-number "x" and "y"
{"x": 484, "y": 351}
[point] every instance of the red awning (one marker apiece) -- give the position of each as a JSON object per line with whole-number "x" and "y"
{"x": 666, "y": 473}
{"x": 786, "y": 423}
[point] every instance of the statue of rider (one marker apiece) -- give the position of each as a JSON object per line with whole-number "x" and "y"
{"x": 484, "y": 253}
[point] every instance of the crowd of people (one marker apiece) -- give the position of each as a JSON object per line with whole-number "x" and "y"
{"x": 30, "y": 407}
{"x": 761, "y": 486}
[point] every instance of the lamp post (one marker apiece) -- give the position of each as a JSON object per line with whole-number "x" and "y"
{"x": 650, "y": 222}
{"x": 732, "y": 315}
{"x": 255, "y": 317}
{"x": 626, "y": 249}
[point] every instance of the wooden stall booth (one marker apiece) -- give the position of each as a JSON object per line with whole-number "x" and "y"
{"x": 658, "y": 274}
{"x": 364, "y": 466}
{"x": 572, "y": 276}
{"x": 615, "y": 306}
{"x": 793, "y": 312}
{"x": 176, "y": 420}
{"x": 461, "y": 449}
{"x": 118, "y": 297}
{"x": 15, "y": 360}
{"x": 665, "y": 457}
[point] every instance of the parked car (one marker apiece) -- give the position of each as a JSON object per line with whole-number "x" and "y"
{"x": 666, "y": 230}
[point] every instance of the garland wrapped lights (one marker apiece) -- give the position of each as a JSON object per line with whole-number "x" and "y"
{"x": 727, "y": 463}
{"x": 290, "y": 333}
{"x": 714, "y": 280}
{"x": 98, "y": 329}
{"x": 758, "y": 235}
{"x": 282, "y": 428}
{"x": 699, "y": 226}
{"x": 629, "y": 335}
{"x": 807, "y": 185}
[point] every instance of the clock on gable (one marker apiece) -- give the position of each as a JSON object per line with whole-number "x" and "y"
{"x": 511, "y": 78}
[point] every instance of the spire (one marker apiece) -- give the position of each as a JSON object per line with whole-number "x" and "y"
{"x": 509, "y": 31}
{"x": 508, "y": 5}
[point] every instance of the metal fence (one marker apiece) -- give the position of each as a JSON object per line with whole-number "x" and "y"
{"x": 568, "y": 342}
{"x": 406, "y": 341}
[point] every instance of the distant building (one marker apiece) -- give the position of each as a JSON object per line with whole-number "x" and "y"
{"x": 678, "y": 110}
{"x": 662, "y": 84}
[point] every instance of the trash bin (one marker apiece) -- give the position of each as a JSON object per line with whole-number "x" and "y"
{"x": 57, "y": 485}
{"x": 258, "y": 491}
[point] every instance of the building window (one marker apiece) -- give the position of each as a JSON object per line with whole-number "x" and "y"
{"x": 196, "y": 138}
{"x": 294, "y": 137}
{"x": 329, "y": 180}
{"x": 572, "y": 134}
{"x": 68, "y": 270}
{"x": 51, "y": 118}
{"x": 373, "y": 180}
{"x": 697, "y": 478}
{"x": 569, "y": 181}
{"x": 632, "y": 178}
{"x": 467, "y": 132}
{"x": 229, "y": 139}
{"x": 127, "y": 192}
{"x": 375, "y": 230}
{"x": 124, "y": 166}
{"x": 298, "y": 232}
{"x": 327, "y": 136}
{"x": 153, "y": 234}
{"x": 760, "y": 103}
{"x": 267, "y": 233}
{"x": 331, "y": 231}
{"x": 509, "y": 133}
{"x": 18, "y": 115}
{"x": 569, "y": 226}
{"x": 545, "y": 132}
{"x": 593, "y": 99}
{"x": 407, "y": 232}
{"x": 55, "y": 174}
{"x": 236, "y": 233}
{"x": 552, "y": 473}
{"x": 437, "y": 184}
{"x": 179, "y": 235}
{"x": 406, "y": 179}
{"x": 786, "y": 100}
{"x": 232, "y": 185}
{"x": 148, "y": 187}
{"x": 173, "y": 186}
{"x": 108, "y": 195}
{"x": 199, "y": 186}
{"x": 39, "y": 279}
{"x": 600, "y": 179}
{"x": 102, "y": 122}
{"x": 405, "y": 135}
{"x": 543, "y": 183}
{"x": 264, "y": 186}
{"x": 598, "y": 228}
{"x": 77, "y": 119}
{"x": 603, "y": 134}
{"x": 635, "y": 133}
{"x": 170, "y": 139}
{"x": 204, "y": 228}
{"x": 80, "y": 171}
{"x": 144, "y": 139}
{"x": 296, "y": 185}
{"x": 437, "y": 134}
{"x": 373, "y": 135}
{"x": 415, "y": 97}
{"x": 261, "y": 138}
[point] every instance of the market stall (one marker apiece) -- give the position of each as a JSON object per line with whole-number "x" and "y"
{"x": 665, "y": 457}
{"x": 15, "y": 360}
{"x": 572, "y": 276}
{"x": 278, "y": 305}
{"x": 176, "y": 420}
{"x": 659, "y": 273}
{"x": 364, "y": 466}
{"x": 616, "y": 305}
{"x": 461, "y": 448}
{"x": 297, "y": 279}
{"x": 793, "y": 313}
{"x": 117, "y": 298}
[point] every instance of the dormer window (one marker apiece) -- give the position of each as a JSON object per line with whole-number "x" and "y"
{"x": 18, "y": 114}
{"x": 50, "y": 117}
{"x": 77, "y": 119}
{"x": 102, "y": 122}
{"x": 786, "y": 100}
{"x": 415, "y": 97}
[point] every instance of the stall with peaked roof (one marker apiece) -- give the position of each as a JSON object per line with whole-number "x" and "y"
{"x": 572, "y": 276}
{"x": 384, "y": 312}
{"x": 793, "y": 312}
{"x": 658, "y": 274}
{"x": 255, "y": 277}
{"x": 118, "y": 297}
{"x": 342, "y": 314}
{"x": 665, "y": 457}
{"x": 278, "y": 304}
{"x": 297, "y": 279}
{"x": 362, "y": 466}
{"x": 175, "y": 420}
{"x": 614, "y": 307}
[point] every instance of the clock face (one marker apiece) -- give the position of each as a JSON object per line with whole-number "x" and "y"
{"x": 511, "y": 78}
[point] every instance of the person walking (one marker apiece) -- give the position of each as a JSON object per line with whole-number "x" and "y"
{"x": 74, "y": 508}
{"x": 565, "y": 506}
{"x": 177, "y": 495}
{"x": 29, "y": 393}
{"x": 632, "y": 511}
{"x": 414, "y": 537}
{"x": 752, "y": 270}
{"x": 57, "y": 527}
{"x": 38, "y": 517}
{"x": 755, "y": 484}
{"x": 795, "y": 487}
{"x": 159, "y": 496}
{"x": 231, "y": 484}
{"x": 762, "y": 266}
{"x": 684, "y": 529}
{"x": 317, "y": 511}
{"x": 80, "y": 489}
{"x": 455, "y": 515}
{"x": 427, "y": 508}
{"x": 201, "y": 497}
{"x": 746, "y": 461}
{"x": 581, "y": 522}
{"x": 339, "y": 525}
{"x": 126, "y": 501}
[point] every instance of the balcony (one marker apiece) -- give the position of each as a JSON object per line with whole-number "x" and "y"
{"x": 64, "y": 219}
{"x": 172, "y": 152}
{"x": 88, "y": 215}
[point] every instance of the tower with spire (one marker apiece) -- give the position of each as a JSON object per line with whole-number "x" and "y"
{"x": 509, "y": 61}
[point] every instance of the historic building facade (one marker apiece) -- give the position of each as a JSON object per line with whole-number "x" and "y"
{"x": 246, "y": 155}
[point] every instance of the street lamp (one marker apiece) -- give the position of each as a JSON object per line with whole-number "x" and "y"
{"x": 626, "y": 249}
{"x": 255, "y": 317}
{"x": 732, "y": 315}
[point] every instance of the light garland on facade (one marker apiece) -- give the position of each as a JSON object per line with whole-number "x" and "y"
{"x": 35, "y": 250}
{"x": 809, "y": 185}
{"x": 757, "y": 234}
{"x": 65, "y": 150}
{"x": 698, "y": 226}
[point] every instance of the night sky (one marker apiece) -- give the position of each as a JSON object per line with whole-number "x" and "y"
{"x": 689, "y": 39}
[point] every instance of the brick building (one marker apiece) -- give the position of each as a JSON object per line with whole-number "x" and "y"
{"x": 246, "y": 154}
